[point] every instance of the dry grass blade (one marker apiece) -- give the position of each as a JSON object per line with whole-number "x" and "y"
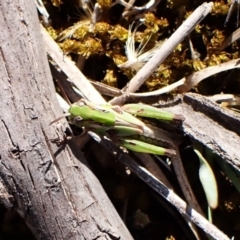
{"x": 187, "y": 83}
{"x": 163, "y": 90}
{"x": 67, "y": 33}
{"x": 230, "y": 39}
{"x": 106, "y": 89}
{"x": 222, "y": 97}
{"x": 197, "y": 77}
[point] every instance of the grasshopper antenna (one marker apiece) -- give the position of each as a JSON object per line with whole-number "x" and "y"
{"x": 59, "y": 118}
{"x": 63, "y": 92}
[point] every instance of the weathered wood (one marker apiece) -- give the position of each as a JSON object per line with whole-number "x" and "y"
{"x": 213, "y": 126}
{"x": 54, "y": 192}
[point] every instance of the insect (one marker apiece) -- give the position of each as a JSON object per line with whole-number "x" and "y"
{"x": 121, "y": 126}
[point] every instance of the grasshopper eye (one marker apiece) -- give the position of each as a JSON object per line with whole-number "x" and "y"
{"x": 81, "y": 104}
{"x": 77, "y": 119}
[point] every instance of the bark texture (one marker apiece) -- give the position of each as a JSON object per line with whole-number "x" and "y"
{"x": 213, "y": 126}
{"x": 54, "y": 192}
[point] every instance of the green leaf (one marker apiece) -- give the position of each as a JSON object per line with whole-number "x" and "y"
{"x": 208, "y": 181}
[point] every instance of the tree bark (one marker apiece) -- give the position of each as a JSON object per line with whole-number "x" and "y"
{"x": 55, "y": 193}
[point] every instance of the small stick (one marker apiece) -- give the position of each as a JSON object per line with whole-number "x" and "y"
{"x": 196, "y": 17}
{"x": 230, "y": 39}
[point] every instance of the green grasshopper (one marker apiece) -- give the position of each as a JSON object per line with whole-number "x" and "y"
{"x": 120, "y": 125}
